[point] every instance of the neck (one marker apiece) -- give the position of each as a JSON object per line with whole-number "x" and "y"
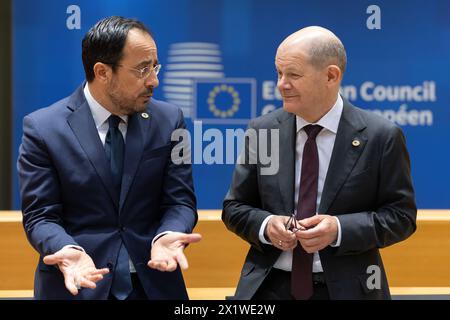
{"x": 318, "y": 111}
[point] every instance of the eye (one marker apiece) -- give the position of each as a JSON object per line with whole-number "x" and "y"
{"x": 144, "y": 71}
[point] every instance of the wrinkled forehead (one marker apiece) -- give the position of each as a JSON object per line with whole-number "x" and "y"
{"x": 291, "y": 55}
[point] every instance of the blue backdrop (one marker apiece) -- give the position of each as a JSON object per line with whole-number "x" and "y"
{"x": 224, "y": 51}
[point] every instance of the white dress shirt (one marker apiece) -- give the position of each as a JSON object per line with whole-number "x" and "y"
{"x": 325, "y": 143}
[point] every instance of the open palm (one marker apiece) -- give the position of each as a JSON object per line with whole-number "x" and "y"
{"x": 77, "y": 267}
{"x": 168, "y": 251}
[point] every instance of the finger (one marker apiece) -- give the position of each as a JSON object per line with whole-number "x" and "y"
{"x": 160, "y": 265}
{"x": 312, "y": 245}
{"x": 312, "y": 249}
{"x": 299, "y": 227}
{"x": 171, "y": 265}
{"x": 285, "y": 247}
{"x": 312, "y": 221}
{"x": 71, "y": 285}
{"x": 102, "y": 271}
{"x": 285, "y": 235}
{"x": 291, "y": 244}
{"x": 191, "y": 237}
{"x": 85, "y": 283}
{"x": 278, "y": 244}
{"x": 310, "y": 233}
{"x": 96, "y": 275}
{"x": 153, "y": 264}
{"x": 279, "y": 231}
{"x": 182, "y": 261}
{"x": 94, "y": 278}
{"x": 314, "y": 242}
{"x": 281, "y": 227}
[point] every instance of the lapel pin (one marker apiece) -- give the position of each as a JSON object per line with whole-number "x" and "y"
{"x": 145, "y": 115}
{"x": 356, "y": 143}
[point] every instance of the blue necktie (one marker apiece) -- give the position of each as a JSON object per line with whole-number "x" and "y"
{"x": 115, "y": 147}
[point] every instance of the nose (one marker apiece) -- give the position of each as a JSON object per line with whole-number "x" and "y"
{"x": 282, "y": 84}
{"x": 152, "y": 80}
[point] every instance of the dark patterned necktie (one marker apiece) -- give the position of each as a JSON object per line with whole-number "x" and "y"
{"x": 114, "y": 146}
{"x": 301, "y": 276}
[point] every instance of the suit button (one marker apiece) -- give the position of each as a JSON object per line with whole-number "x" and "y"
{"x": 122, "y": 228}
{"x": 109, "y": 265}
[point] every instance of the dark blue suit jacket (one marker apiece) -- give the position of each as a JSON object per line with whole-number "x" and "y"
{"x": 68, "y": 194}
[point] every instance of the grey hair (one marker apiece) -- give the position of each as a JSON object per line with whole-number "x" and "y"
{"x": 323, "y": 52}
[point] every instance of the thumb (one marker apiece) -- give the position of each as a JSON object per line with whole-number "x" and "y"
{"x": 311, "y": 222}
{"x": 52, "y": 259}
{"x": 192, "y": 238}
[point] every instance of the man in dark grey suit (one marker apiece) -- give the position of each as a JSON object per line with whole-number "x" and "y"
{"x": 344, "y": 176}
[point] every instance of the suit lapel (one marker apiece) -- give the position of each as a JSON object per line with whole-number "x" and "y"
{"x": 286, "y": 176}
{"x": 134, "y": 145}
{"x": 345, "y": 154}
{"x": 83, "y": 126}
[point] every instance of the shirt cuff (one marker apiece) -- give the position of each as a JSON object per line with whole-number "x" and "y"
{"x": 339, "y": 235}
{"x": 73, "y": 247}
{"x": 159, "y": 236}
{"x": 262, "y": 238}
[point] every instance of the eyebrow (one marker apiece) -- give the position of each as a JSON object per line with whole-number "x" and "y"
{"x": 147, "y": 62}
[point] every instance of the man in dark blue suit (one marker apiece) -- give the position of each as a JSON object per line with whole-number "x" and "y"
{"x": 101, "y": 198}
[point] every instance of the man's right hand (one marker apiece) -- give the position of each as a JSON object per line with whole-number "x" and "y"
{"x": 277, "y": 234}
{"x": 77, "y": 267}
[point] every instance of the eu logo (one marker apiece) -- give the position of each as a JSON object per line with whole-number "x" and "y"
{"x": 224, "y": 101}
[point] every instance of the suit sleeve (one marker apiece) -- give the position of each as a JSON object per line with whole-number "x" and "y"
{"x": 395, "y": 217}
{"x": 241, "y": 207}
{"x": 178, "y": 205}
{"x": 40, "y": 194}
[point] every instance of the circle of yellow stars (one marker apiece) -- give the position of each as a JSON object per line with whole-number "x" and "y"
{"x": 212, "y": 101}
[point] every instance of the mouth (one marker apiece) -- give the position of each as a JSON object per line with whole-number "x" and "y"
{"x": 147, "y": 94}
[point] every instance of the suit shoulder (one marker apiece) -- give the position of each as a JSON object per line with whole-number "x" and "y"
{"x": 163, "y": 107}
{"x": 375, "y": 121}
{"x": 164, "y": 110}
{"x": 48, "y": 114}
{"x": 269, "y": 119}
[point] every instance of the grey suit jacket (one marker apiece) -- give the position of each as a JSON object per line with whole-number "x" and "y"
{"x": 368, "y": 187}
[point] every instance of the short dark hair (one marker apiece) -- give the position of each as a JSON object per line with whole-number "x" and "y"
{"x": 104, "y": 42}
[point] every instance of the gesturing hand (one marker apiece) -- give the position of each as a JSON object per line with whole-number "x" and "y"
{"x": 167, "y": 251}
{"x": 77, "y": 267}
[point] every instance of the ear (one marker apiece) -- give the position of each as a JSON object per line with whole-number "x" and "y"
{"x": 102, "y": 72}
{"x": 334, "y": 74}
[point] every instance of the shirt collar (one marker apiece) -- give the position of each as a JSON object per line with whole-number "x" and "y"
{"x": 99, "y": 113}
{"x": 329, "y": 121}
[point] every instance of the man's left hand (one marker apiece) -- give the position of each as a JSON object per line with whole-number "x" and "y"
{"x": 167, "y": 251}
{"x": 321, "y": 231}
